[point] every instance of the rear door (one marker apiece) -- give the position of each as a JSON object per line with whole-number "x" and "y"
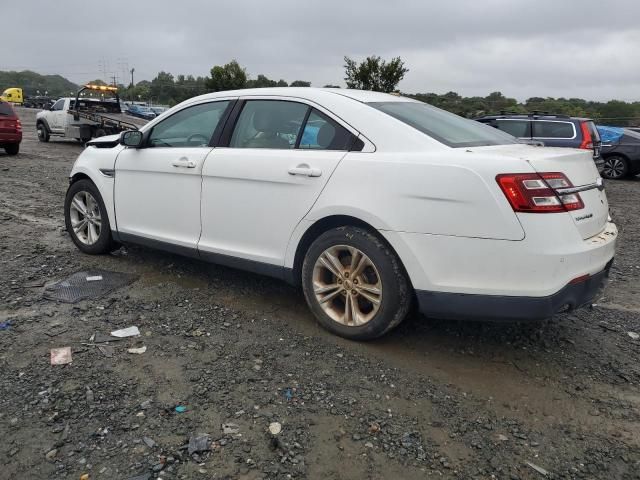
{"x": 257, "y": 188}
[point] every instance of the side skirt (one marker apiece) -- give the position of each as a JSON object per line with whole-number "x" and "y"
{"x": 266, "y": 269}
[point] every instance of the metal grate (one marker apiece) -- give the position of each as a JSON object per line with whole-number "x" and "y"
{"x": 77, "y": 287}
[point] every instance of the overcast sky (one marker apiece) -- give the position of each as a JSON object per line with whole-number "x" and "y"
{"x": 524, "y": 48}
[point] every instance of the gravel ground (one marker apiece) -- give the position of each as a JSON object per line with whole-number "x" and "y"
{"x": 238, "y": 353}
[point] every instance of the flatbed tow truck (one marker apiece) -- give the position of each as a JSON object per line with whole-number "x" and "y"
{"x": 85, "y": 118}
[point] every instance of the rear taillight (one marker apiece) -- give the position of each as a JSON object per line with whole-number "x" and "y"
{"x": 536, "y": 192}
{"x": 587, "y": 141}
{"x": 18, "y": 126}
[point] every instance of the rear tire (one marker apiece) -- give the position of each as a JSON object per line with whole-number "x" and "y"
{"x": 354, "y": 284}
{"x": 86, "y": 219}
{"x": 43, "y": 132}
{"x": 615, "y": 167}
{"x": 12, "y": 149}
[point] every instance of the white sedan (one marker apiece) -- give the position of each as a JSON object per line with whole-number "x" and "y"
{"x": 369, "y": 201}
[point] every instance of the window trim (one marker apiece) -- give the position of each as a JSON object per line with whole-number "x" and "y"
{"x": 215, "y": 137}
{"x": 225, "y": 138}
{"x": 573, "y": 126}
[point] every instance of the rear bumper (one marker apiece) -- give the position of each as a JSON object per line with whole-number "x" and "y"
{"x": 462, "y": 306}
{"x": 10, "y": 138}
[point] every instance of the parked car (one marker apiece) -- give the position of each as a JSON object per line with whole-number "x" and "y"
{"x": 158, "y": 110}
{"x": 620, "y": 151}
{"x": 141, "y": 112}
{"x": 366, "y": 200}
{"x": 635, "y": 129}
{"x": 10, "y": 129}
{"x": 551, "y": 130}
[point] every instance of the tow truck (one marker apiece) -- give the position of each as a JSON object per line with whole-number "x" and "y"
{"x": 84, "y": 118}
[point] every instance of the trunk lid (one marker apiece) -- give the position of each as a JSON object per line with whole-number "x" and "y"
{"x": 579, "y": 168}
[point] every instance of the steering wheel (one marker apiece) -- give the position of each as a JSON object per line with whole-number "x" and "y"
{"x": 194, "y": 136}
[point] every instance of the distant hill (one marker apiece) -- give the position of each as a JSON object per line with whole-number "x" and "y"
{"x": 31, "y": 82}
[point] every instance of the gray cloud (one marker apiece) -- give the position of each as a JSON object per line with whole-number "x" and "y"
{"x": 581, "y": 48}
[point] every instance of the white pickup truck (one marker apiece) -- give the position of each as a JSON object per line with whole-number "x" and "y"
{"x": 85, "y": 118}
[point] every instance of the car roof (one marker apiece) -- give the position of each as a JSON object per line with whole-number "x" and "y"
{"x": 532, "y": 116}
{"x": 312, "y": 93}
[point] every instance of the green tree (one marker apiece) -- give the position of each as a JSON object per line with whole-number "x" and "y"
{"x": 263, "y": 82}
{"x": 163, "y": 89}
{"x": 374, "y": 73}
{"x": 227, "y": 77}
{"x": 300, "y": 83}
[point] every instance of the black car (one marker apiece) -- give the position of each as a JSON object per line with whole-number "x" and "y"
{"x": 620, "y": 151}
{"x": 551, "y": 130}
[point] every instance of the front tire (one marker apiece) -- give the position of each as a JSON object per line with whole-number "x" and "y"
{"x": 615, "y": 167}
{"x": 355, "y": 284}
{"x": 43, "y": 132}
{"x": 86, "y": 218}
{"x": 12, "y": 149}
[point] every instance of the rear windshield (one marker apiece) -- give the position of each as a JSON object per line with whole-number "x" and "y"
{"x": 445, "y": 127}
{"x": 6, "y": 110}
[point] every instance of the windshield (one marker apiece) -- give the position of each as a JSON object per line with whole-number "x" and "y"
{"x": 445, "y": 127}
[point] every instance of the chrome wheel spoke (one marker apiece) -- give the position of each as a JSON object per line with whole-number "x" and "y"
{"x": 327, "y": 292}
{"x": 79, "y": 206}
{"x": 86, "y": 221}
{"x": 79, "y": 225}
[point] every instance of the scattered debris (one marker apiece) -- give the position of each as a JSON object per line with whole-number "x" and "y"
{"x": 84, "y": 476}
{"x": 634, "y": 335}
{"x": 180, "y": 409}
{"x": 94, "y": 278}
{"x": 199, "y": 443}
{"x": 138, "y": 350}
{"x": 51, "y": 454}
{"x": 374, "y": 428}
{"x": 275, "y": 428}
{"x": 5, "y": 325}
{"x": 149, "y": 442}
{"x": 538, "y": 469}
{"x": 90, "y": 396}
{"x": 126, "y": 332}
{"x": 78, "y": 287}
{"x": 107, "y": 350}
{"x": 102, "y": 338}
{"x": 56, "y": 329}
{"x": 230, "y": 428}
{"x": 502, "y": 438}
{"x": 61, "y": 356}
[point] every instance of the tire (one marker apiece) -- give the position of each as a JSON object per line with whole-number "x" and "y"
{"x": 43, "y": 132}
{"x": 615, "y": 167}
{"x": 12, "y": 149}
{"x": 91, "y": 238}
{"x": 380, "y": 270}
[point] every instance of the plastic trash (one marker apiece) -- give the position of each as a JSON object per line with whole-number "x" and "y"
{"x": 94, "y": 278}
{"x": 5, "y": 325}
{"x": 199, "y": 443}
{"x": 126, "y": 332}
{"x": 138, "y": 351}
{"x": 538, "y": 469}
{"x": 633, "y": 335}
{"x": 230, "y": 428}
{"x": 61, "y": 356}
{"x": 180, "y": 409}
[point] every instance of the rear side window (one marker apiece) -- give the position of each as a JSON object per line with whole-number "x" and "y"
{"x": 58, "y": 105}
{"x": 445, "y": 127}
{"x": 549, "y": 129}
{"x": 322, "y": 133}
{"x": 517, "y": 128}
{"x": 6, "y": 110}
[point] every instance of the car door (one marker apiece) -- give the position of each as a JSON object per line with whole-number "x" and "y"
{"x": 55, "y": 119}
{"x": 258, "y": 187}
{"x": 158, "y": 186}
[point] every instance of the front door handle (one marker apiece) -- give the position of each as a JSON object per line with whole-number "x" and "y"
{"x": 305, "y": 170}
{"x": 184, "y": 162}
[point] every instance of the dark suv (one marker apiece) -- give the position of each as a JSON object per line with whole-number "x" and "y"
{"x": 551, "y": 130}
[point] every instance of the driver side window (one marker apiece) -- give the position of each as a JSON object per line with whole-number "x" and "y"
{"x": 190, "y": 127}
{"x": 58, "y": 105}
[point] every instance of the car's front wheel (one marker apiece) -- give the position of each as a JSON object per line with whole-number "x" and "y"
{"x": 86, "y": 218}
{"x": 615, "y": 167}
{"x": 43, "y": 132}
{"x": 355, "y": 284}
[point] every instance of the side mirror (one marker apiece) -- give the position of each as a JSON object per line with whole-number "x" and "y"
{"x": 131, "y": 138}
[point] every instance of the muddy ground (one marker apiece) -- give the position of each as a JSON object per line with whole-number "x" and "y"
{"x": 433, "y": 399}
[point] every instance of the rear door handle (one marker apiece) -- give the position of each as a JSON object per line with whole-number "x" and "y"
{"x": 305, "y": 170}
{"x": 184, "y": 162}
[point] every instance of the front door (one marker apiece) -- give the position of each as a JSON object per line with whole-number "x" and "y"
{"x": 257, "y": 189}
{"x": 158, "y": 187}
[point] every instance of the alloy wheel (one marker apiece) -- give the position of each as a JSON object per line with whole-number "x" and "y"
{"x": 347, "y": 285}
{"x": 86, "y": 221}
{"x": 614, "y": 167}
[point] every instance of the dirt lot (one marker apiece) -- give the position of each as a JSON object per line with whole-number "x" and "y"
{"x": 432, "y": 399}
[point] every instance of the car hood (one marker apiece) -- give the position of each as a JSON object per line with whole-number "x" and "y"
{"x": 108, "y": 141}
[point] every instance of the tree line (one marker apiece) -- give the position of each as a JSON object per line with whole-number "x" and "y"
{"x": 372, "y": 73}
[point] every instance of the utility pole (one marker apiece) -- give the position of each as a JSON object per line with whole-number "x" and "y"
{"x": 132, "y": 70}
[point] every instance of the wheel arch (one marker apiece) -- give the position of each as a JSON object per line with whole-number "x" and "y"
{"x": 325, "y": 224}
{"x": 105, "y": 188}
{"x": 616, "y": 154}
{"x": 43, "y": 121}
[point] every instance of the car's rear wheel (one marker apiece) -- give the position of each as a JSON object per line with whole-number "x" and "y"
{"x": 12, "y": 149}
{"x": 355, "y": 284}
{"x": 43, "y": 132}
{"x": 86, "y": 218}
{"x": 615, "y": 167}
